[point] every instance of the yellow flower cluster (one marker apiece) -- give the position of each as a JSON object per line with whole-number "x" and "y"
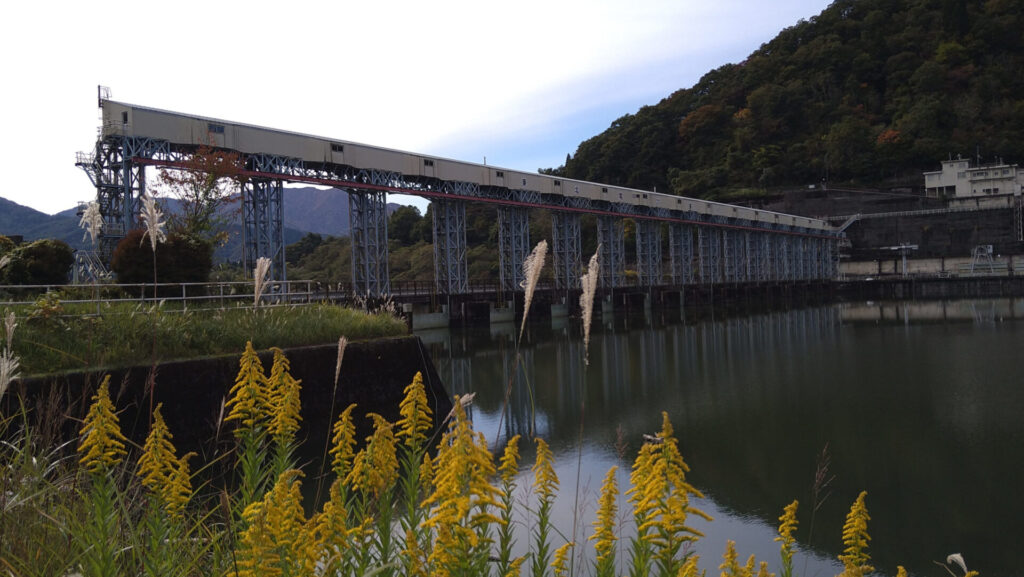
{"x": 545, "y": 482}
{"x": 786, "y": 529}
{"x": 416, "y": 419}
{"x": 661, "y": 495}
{"x": 509, "y": 464}
{"x": 343, "y": 443}
{"x": 161, "y": 471}
{"x": 561, "y": 558}
{"x": 249, "y": 397}
{"x": 283, "y": 396}
{"x": 731, "y": 568}
{"x": 375, "y": 468}
{"x": 855, "y": 557}
{"x": 604, "y": 526}
{"x": 278, "y": 539}
{"x": 102, "y": 445}
{"x": 333, "y": 536}
{"x": 461, "y": 496}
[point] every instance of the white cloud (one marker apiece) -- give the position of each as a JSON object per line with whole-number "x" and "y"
{"x": 450, "y": 75}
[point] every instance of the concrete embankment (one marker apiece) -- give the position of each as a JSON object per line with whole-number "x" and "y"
{"x": 373, "y": 374}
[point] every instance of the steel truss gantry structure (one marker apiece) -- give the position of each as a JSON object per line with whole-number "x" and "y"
{"x": 704, "y": 248}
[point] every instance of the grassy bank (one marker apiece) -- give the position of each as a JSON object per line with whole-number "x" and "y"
{"x": 403, "y": 501}
{"x": 56, "y": 337}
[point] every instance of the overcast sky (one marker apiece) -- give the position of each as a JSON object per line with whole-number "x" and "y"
{"x": 521, "y": 83}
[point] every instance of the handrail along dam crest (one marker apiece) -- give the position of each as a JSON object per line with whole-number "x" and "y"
{"x": 709, "y": 242}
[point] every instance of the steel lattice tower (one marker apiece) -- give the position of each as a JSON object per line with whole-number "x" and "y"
{"x": 513, "y": 245}
{"x": 450, "y": 272}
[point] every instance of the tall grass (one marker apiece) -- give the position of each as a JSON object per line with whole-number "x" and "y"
{"x": 401, "y": 502}
{"x": 56, "y": 337}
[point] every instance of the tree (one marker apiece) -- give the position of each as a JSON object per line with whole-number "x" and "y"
{"x": 181, "y": 259}
{"x": 208, "y": 182}
{"x": 402, "y": 225}
{"x": 306, "y": 245}
{"x": 44, "y": 261}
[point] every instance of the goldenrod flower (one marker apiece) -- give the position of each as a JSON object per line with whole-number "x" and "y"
{"x": 102, "y": 445}
{"x": 332, "y": 536}
{"x": 416, "y": 419}
{"x": 900, "y": 571}
{"x": 786, "y": 529}
{"x": 416, "y": 560}
{"x": 343, "y": 443}
{"x": 661, "y": 497}
{"x": 855, "y": 557}
{"x": 249, "y": 400}
{"x": 426, "y": 471}
{"x": 689, "y": 568}
{"x": 604, "y": 526}
{"x": 283, "y": 394}
{"x": 561, "y": 558}
{"x": 730, "y": 565}
{"x": 277, "y": 540}
{"x": 375, "y": 467}
{"x": 161, "y": 471}
{"x": 545, "y": 481}
{"x": 458, "y": 506}
{"x": 510, "y": 460}
{"x": 514, "y": 566}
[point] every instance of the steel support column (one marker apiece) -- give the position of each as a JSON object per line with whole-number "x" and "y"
{"x": 779, "y": 258}
{"x": 728, "y": 255}
{"x": 565, "y": 232}
{"x": 609, "y": 236}
{"x": 119, "y": 182}
{"x": 765, "y": 254}
{"x": 450, "y": 270}
{"x": 263, "y": 231}
{"x": 513, "y": 245}
{"x": 368, "y": 223}
{"x": 710, "y": 241}
{"x": 680, "y": 248}
{"x": 648, "y": 252}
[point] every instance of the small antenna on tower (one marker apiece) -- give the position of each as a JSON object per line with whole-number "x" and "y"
{"x": 102, "y": 93}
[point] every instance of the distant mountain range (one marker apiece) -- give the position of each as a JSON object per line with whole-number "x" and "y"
{"x": 306, "y": 209}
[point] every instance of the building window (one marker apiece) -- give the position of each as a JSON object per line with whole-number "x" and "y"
{"x": 524, "y": 182}
{"x": 124, "y": 117}
{"x": 215, "y": 128}
{"x": 499, "y": 174}
{"x": 605, "y": 190}
{"x": 558, "y": 183}
{"x": 337, "y": 147}
{"x": 427, "y": 162}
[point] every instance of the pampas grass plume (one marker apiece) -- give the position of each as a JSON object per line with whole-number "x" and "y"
{"x": 92, "y": 221}
{"x": 152, "y": 216}
{"x": 588, "y": 283}
{"x": 531, "y": 270}
{"x": 260, "y": 277}
{"x": 342, "y": 343}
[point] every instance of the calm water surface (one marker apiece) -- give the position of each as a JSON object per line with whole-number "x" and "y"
{"x": 919, "y": 404}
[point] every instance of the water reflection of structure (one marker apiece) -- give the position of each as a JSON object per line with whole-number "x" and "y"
{"x": 902, "y": 312}
{"x": 636, "y": 367}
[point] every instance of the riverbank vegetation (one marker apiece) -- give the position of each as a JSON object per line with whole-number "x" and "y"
{"x": 420, "y": 496}
{"x": 56, "y": 337}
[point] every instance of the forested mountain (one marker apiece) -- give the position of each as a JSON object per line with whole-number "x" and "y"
{"x": 869, "y": 92}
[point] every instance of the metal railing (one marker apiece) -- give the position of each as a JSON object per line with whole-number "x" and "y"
{"x": 292, "y": 292}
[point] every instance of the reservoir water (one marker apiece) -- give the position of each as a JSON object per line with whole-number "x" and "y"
{"x": 919, "y": 404}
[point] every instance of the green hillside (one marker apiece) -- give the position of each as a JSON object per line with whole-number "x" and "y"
{"x": 868, "y": 92}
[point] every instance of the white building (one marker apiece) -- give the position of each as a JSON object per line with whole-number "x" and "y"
{"x": 957, "y": 179}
